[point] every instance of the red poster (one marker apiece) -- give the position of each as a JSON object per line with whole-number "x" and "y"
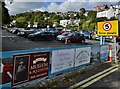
{"x": 29, "y": 67}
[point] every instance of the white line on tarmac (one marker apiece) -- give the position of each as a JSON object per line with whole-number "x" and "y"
{"x": 98, "y": 78}
{"x": 11, "y": 39}
{"x": 8, "y": 36}
{"x": 90, "y": 78}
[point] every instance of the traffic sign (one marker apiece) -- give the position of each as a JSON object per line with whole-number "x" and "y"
{"x": 107, "y": 28}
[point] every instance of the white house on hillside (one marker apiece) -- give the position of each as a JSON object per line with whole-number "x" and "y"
{"x": 108, "y": 13}
{"x": 65, "y": 22}
{"x": 114, "y": 10}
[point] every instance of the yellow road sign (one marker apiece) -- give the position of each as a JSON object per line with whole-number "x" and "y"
{"x": 107, "y": 28}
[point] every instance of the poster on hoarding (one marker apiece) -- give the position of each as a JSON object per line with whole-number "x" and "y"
{"x": 28, "y": 67}
{"x": 82, "y": 56}
{"x": 62, "y": 59}
{"x": 95, "y": 53}
{"x": 104, "y": 52}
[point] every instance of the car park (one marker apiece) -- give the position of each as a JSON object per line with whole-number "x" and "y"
{"x": 65, "y": 30}
{"x": 54, "y": 34}
{"x": 25, "y": 32}
{"x": 9, "y": 29}
{"x": 118, "y": 39}
{"x": 60, "y": 37}
{"x": 74, "y": 37}
{"x": 95, "y": 36}
{"x": 86, "y": 33}
{"x": 41, "y": 35}
{"x": 109, "y": 38}
{"x": 15, "y": 30}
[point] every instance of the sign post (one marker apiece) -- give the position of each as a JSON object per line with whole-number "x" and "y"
{"x": 101, "y": 40}
{"x": 115, "y": 45}
{"x": 108, "y": 28}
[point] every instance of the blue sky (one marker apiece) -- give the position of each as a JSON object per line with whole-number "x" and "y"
{"x": 20, "y": 6}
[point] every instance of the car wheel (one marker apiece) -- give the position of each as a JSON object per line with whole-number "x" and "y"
{"x": 18, "y": 33}
{"x": 50, "y": 39}
{"x": 83, "y": 41}
{"x": 68, "y": 41}
{"x": 35, "y": 39}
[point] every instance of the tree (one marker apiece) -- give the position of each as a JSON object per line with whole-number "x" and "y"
{"x": 113, "y": 18}
{"x": 82, "y": 16}
{"x": 82, "y": 10}
{"x": 92, "y": 14}
{"x": 5, "y": 15}
{"x": 101, "y": 19}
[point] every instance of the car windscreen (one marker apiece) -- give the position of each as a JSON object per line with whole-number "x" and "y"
{"x": 65, "y": 34}
{"x": 37, "y": 32}
{"x": 70, "y": 34}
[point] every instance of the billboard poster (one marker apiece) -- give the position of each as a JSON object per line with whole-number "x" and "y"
{"x": 95, "y": 53}
{"x": 62, "y": 60}
{"x": 104, "y": 52}
{"x": 28, "y": 67}
{"x": 82, "y": 56}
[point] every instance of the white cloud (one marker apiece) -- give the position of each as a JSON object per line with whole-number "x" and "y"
{"x": 40, "y": 9}
{"x": 19, "y": 7}
{"x": 75, "y": 5}
{"x": 67, "y": 5}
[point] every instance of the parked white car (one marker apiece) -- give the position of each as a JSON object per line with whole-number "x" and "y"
{"x": 60, "y": 37}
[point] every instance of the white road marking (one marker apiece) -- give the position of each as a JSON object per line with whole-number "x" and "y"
{"x": 98, "y": 78}
{"x": 8, "y": 36}
{"x": 11, "y": 39}
{"x": 90, "y": 78}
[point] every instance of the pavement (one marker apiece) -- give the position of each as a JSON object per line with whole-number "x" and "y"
{"x": 72, "y": 79}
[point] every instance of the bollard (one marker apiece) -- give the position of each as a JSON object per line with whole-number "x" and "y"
{"x": 110, "y": 54}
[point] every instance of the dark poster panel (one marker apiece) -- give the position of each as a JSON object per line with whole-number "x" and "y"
{"x": 29, "y": 67}
{"x": 38, "y": 65}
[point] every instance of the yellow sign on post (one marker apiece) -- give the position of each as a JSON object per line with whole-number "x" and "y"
{"x": 107, "y": 28}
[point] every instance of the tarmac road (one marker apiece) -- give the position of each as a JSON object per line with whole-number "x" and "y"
{"x": 112, "y": 81}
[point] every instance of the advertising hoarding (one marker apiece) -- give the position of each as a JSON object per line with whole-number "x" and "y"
{"x": 104, "y": 52}
{"x": 62, "y": 59}
{"x": 95, "y": 53}
{"x": 28, "y": 67}
{"x": 82, "y": 56}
